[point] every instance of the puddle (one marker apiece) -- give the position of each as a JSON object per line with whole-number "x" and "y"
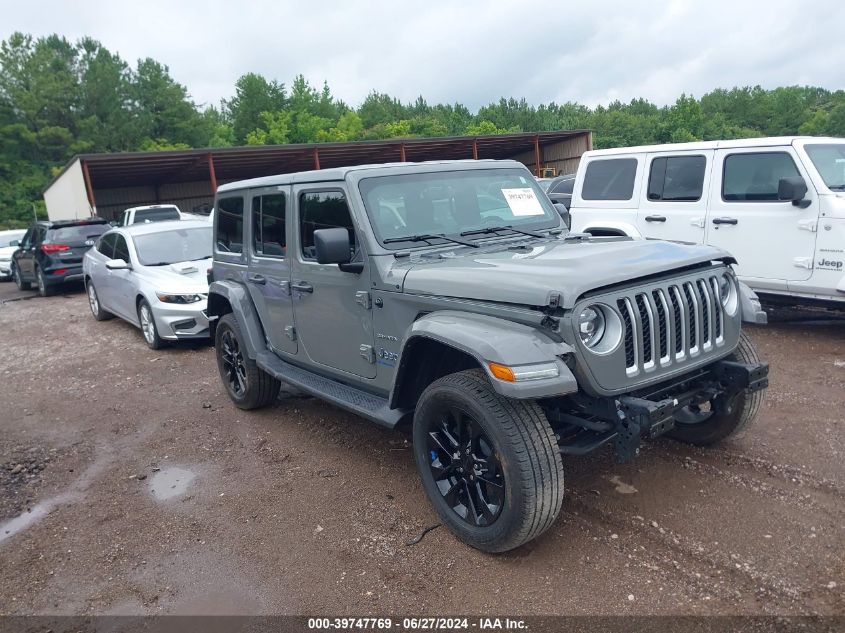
{"x": 170, "y": 482}
{"x": 32, "y": 516}
{"x": 621, "y": 486}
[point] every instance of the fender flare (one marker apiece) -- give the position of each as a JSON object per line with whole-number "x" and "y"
{"x": 749, "y": 304}
{"x": 490, "y": 339}
{"x": 244, "y": 310}
{"x": 623, "y": 227}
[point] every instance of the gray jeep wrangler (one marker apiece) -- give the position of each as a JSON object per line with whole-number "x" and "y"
{"x": 450, "y": 296}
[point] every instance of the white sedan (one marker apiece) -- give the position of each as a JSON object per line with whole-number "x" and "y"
{"x": 154, "y": 277}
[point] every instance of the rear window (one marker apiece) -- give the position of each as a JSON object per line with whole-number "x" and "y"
{"x": 563, "y": 186}
{"x": 80, "y": 233}
{"x": 676, "y": 178}
{"x": 156, "y": 215}
{"x": 230, "y": 225}
{"x": 611, "y": 179}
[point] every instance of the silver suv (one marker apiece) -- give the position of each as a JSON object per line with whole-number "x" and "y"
{"x": 450, "y": 296}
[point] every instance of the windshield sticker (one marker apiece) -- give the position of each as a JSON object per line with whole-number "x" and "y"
{"x": 523, "y": 202}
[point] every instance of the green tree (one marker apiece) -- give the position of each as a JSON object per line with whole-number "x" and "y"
{"x": 253, "y": 95}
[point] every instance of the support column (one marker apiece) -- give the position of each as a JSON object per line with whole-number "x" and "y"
{"x": 212, "y": 175}
{"x": 402, "y": 153}
{"x": 89, "y": 188}
{"x": 316, "y": 158}
{"x": 474, "y": 149}
{"x": 537, "y": 160}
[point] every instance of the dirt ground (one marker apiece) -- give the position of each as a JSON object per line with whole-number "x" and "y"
{"x": 129, "y": 484}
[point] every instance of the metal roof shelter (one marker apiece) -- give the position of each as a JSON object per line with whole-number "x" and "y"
{"x": 106, "y": 184}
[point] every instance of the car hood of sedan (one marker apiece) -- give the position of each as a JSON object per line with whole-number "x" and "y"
{"x": 181, "y": 277}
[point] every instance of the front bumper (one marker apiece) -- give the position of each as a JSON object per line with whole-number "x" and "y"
{"x": 626, "y": 419}
{"x": 176, "y": 321}
{"x": 5, "y": 268}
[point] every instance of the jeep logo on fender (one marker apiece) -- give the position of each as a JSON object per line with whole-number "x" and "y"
{"x": 827, "y": 264}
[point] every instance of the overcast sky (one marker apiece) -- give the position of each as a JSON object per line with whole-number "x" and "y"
{"x": 468, "y": 51}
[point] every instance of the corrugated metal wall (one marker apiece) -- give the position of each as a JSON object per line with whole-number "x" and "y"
{"x": 563, "y": 156}
{"x": 192, "y": 197}
{"x": 188, "y": 196}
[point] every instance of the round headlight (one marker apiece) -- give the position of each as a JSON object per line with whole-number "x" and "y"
{"x": 591, "y": 325}
{"x": 725, "y": 289}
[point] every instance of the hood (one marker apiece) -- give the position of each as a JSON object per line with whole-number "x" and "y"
{"x": 181, "y": 277}
{"x": 571, "y": 268}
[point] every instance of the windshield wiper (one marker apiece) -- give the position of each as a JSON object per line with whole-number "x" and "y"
{"x": 836, "y": 187}
{"x": 424, "y": 237}
{"x": 159, "y": 264}
{"x": 496, "y": 229}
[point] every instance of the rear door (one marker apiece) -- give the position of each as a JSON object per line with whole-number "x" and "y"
{"x": 773, "y": 241}
{"x": 102, "y": 252}
{"x": 24, "y": 257}
{"x": 268, "y": 278}
{"x": 673, "y": 204}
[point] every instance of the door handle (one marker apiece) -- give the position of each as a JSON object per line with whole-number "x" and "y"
{"x": 655, "y": 218}
{"x": 725, "y": 221}
{"x": 302, "y": 286}
{"x": 257, "y": 279}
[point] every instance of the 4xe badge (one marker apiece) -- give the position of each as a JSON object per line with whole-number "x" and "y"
{"x": 89, "y": 242}
{"x": 827, "y": 264}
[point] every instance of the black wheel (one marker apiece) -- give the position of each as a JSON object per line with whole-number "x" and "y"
{"x": 249, "y": 386}
{"x": 44, "y": 289}
{"x": 490, "y": 466}
{"x": 148, "y": 325}
{"x": 19, "y": 282}
{"x": 702, "y": 426}
{"x": 94, "y": 302}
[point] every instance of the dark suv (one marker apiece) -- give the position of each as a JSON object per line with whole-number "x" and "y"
{"x": 51, "y": 253}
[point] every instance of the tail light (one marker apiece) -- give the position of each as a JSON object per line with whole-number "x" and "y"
{"x": 54, "y": 248}
{"x": 60, "y": 271}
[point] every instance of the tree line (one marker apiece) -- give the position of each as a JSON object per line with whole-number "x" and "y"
{"x": 59, "y": 98}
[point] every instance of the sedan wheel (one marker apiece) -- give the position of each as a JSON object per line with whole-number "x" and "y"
{"x": 148, "y": 326}
{"x": 94, "y": 302}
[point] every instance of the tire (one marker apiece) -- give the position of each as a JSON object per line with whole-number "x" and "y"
{"x": 520, "y": 463}
{"x": 743, "y": 410}
{"x": 249, "y": 386}
{"x": 44, "y": 289}
{"x": 148, "y": 325}
{"x": 19, "y": 282}
{"x": 94, "y": 303}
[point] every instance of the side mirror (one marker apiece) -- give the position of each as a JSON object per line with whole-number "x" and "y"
{"x": 14, "y": 243}
{"x": 333, "y": 246}
{"x": 564, "y": 213}
{"x": 793, "y": 189}
{"x": 118, "y": 264}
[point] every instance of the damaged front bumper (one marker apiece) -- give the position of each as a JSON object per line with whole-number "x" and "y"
{"x": 587, "y": 423}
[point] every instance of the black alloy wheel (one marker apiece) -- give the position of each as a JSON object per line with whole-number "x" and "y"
{"x": 466, "y": 468}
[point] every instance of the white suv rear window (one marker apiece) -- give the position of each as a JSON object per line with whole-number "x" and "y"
{"x": 610, "y": 179}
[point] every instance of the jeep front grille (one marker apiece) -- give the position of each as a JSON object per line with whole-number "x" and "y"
{"x": 670, "y": 324}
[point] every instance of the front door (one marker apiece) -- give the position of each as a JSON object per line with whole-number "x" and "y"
{"x": 773, "y": 240}
{"x": 268, "y": 278}
{"x": 673, "y": 205}
{"x": 331, "y": 307}
{"x": 25, "y": 257}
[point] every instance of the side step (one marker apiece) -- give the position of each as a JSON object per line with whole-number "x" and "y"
{"x": 586, "y": 442}
{"x": 367, "y": 405}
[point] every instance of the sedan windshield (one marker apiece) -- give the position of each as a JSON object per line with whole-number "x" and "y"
{"x": 829, "y": 159}
{"x": 175, "y": 245}
{"x": 441, "y": 204}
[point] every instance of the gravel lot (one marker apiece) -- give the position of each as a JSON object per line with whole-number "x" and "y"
{"x": 142, "y": 490}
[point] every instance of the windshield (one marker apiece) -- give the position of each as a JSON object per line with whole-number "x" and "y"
{"x": 177, "y": 245}
{"x": 454, "y": 202}
{"x": 830, "y": 161}
{"x": 6, "y": 240}
{"x": 156, "y": 215}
